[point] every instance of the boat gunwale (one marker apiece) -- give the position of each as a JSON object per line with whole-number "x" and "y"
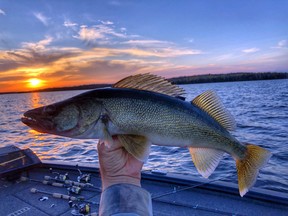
{"x": 184, "y": 180}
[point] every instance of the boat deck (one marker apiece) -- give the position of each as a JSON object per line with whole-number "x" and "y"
{"x": 172, "y": 195}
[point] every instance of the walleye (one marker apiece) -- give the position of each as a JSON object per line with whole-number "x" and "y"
{"x": 145, "y": 109}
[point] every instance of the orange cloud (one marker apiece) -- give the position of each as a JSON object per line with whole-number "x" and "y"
{"x": 66, "y": 66}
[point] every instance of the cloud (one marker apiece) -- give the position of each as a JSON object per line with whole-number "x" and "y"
{"x": 31, "y": 55}
{"x": 145, "y": 53}
{"x": 75, "y": 64}
{"x": 157, "y": 48}
{"x": 11, "y": 78}
{"x": 119, "y": 54}
{"x": 68, "y": 23}
{"x": 105, "y": 34}
{"x": 40, "y": 58}
{"x": 43, "y": 19}
{"x": 148, "y": 43}
{"x": 224, "y": 57}
{"x": 40, "y": 45}
{"x": 89, "y": 34}
{"x": 283, "y": 44}
{"x": 114, "y": 3}
{"x": 173, "y": 52}
{"x": 251, "y": 50}
{"x": 106, "y": 22}
{"x": 190, "y": 40}
{"x": 2, "y": 12}
{"x": 102, "y": 34}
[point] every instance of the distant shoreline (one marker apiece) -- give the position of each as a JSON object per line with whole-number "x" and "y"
{"x": 208, "y": 78}
{"x": 231, "y": 77}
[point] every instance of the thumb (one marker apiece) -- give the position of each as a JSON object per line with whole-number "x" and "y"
{"x": 106, "y": 147}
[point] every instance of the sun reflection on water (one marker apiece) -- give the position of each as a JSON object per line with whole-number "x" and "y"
{"x": 40, "y": 142}
{"x": 35, "y": 99}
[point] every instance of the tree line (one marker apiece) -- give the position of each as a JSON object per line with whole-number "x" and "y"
{"x": 231, "y": 77}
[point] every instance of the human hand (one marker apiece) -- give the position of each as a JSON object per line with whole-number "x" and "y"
{"x": 117, "y": 165}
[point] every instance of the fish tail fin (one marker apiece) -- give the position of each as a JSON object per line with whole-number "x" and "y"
{"x": 248, "y": 167}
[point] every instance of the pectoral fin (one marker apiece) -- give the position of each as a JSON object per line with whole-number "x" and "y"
{"x": 108, "y": 140}
{"x": 136, "y": 145}
{"x": 104, "y": 118}
{"x": 206, "y": 160}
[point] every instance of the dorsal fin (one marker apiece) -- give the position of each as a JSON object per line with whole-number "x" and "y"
{"x": 150, "y": 82}
{"x": 212, "y": 105}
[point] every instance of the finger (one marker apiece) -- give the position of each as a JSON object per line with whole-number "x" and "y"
{"x": 105, "y": 148}
{"x": 100, "y": 145}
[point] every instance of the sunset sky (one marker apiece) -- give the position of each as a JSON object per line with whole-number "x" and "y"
{"x": 66, "y": 43}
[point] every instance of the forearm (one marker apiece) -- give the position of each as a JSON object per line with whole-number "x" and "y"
{"x": 125, "y": 198}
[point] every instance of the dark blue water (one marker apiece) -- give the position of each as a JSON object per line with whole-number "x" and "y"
{"x": 259, "y": 107}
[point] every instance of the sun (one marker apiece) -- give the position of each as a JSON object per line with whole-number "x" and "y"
{"x": 34, "y": 82}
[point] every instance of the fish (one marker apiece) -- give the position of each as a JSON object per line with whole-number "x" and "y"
{"x": 145, "y": 109}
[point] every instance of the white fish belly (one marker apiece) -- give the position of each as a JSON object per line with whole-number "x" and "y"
{"x": 169, "y": 141}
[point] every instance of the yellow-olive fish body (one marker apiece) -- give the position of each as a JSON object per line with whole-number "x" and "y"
{"x": 145, "y": 109}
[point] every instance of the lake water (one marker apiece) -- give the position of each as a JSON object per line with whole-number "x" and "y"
{"x": 259, "y": 107}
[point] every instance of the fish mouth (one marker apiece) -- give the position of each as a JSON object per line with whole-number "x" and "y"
{"x": 28, "y": 120}
{"x": 35, "y": 120}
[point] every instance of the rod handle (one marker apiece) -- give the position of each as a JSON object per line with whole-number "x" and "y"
{"x": 79, "y": 184}
{"x": 33, "y": 190}
{"x": 48, "y": 178}
{"x": 56, "y": 184}
{"x": 23, "y": 178}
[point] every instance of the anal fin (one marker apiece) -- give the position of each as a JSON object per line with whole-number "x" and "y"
{"x": 206, "y": 160}
{"x": 136, "y": 145}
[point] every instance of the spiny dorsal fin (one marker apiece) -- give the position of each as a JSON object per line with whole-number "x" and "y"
{"x": 211, "y": 104}
{"x": 205, "y": 160}
{"x": 150, "y": 82}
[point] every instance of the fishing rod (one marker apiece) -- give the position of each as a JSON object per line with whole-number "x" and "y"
{"x": 80, "y": 209}
{"x": 83, "y": 177}
{"x": 57, "y": 195}
{"x": 73, "y": 183}
{"x": 83, "y": 180}
{"x": 193, "y": 206}
{"x": 189, "y": 187}
{"x": 15, "y": 159}
{"x": 70, "y": 187}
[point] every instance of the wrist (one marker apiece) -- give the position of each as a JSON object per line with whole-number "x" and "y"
{"x": 108, "y": 181}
